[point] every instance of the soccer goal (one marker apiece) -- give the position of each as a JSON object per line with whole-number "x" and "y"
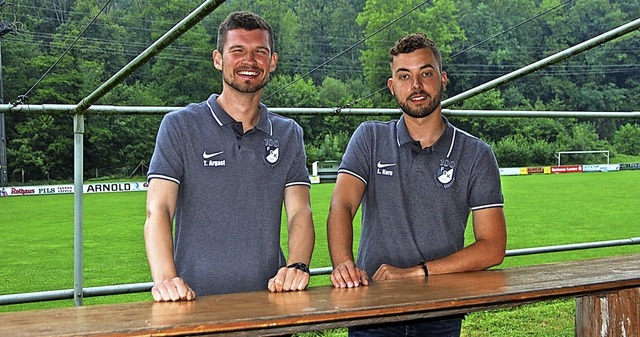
{"x": 560, "y": 153}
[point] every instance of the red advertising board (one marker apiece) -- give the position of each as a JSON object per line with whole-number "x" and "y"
{"x": 566, "y": 169}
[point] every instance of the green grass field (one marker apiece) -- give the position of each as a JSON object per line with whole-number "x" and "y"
{"x": 541, "y": 210}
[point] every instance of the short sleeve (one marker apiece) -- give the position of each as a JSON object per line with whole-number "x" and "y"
{"x": 486, "y": 190}
{"x": 298, "y": 173}
{"x": 356, "y": 158}
{"x": 166, "y": 162}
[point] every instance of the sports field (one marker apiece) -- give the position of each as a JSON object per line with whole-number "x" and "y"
{"x": 37, "y": 241}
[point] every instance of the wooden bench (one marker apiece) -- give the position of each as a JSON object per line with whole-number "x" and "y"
{"x": 607, "y": 292}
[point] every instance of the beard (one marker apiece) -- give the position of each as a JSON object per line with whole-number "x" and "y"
{"x": 246, "y": 87}
{"x": 424, "y": 111}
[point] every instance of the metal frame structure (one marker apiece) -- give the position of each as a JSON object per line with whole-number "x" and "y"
{"x": 146, "y": 286}
{"x": 4, "y": 29}
{"x": 83, "y": 107}
{"x": 67, "y": 109}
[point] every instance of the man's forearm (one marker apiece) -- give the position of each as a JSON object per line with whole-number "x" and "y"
{"x": 478, "y": 256}
{"x": 301, "y": 238}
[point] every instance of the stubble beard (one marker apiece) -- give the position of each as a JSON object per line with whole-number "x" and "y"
{"x": 425, "y": 111}
{"x": 246, "y": 87}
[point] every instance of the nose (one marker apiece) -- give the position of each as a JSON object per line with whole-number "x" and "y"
{"x": 416, "y": 84}
{"x": 248, "y": 58}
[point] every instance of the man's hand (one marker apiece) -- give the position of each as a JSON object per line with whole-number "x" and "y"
{"x": 172, "y": 290}
{"x": 288, "y": 279}
{"x": 389, "y": 272}
{"x": 347, "y": 275}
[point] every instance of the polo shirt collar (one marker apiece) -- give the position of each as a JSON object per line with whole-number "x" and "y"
{"x": 222, "y": 118}
{"x": 443, "y": 144}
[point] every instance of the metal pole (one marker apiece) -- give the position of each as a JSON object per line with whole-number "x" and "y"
{"x": 3, "y": 138}
{"x": 555, "y": 58}
{"x": 570, "y": 247}
{"x": 78, "y": 125}
{"x": 120, "y": 289}
{"x": 78, "y": 163}
{"x": 165, "y": 40}
{"x": 112, "y": 110}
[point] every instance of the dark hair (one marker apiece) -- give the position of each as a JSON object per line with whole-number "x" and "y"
{"x": 243, "y": 20}
{"x": 413, "y": 42}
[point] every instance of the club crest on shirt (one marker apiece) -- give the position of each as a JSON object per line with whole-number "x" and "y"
{"x": 446, "y": 173}
{"x": 271, "y": 150}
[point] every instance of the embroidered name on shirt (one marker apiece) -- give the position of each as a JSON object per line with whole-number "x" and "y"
{"x": 382, "y": 168}
{"x": 212, "y": 163}
{"x": 208, "y": 162}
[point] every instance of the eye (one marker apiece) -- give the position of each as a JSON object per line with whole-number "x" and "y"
{"x": 403, "y": 76}
{"x": 427, "y": 74}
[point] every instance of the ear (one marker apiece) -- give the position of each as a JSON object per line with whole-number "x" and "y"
{"x": 217, "y": 59}
{"x": 390, "y": 86}
{"x": 274, "y": 62}
{"x": 445, "y": 79}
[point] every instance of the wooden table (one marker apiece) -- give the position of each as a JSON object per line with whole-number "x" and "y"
{"x": 607, "y": 289}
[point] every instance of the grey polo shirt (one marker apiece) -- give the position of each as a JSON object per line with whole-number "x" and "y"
{"x": 417, "y": 201}
{"x": 231, "y": 190}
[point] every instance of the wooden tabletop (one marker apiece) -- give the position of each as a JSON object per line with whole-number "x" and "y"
{"x": 318, "y": 308}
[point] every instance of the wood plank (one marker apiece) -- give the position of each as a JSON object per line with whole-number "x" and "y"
{"x": 610, "y": 314}
{"x": 326, "y": 307}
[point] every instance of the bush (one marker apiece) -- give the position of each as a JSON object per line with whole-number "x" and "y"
{"x": 518, "y": 151}
{"x": 627, "y": 139}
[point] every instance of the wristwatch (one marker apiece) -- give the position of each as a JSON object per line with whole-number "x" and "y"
{"x": 300, "y": 266}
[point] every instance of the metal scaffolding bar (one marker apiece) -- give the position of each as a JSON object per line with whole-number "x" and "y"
{"x": 63, "y": 109}
{"x": 164, "y": 41}
{"x": 145, "y": 287}
{"x": 555, "y": 58}
{"x": 78, "y": 120}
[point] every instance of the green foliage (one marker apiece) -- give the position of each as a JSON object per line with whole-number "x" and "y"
{"x": 479, "y": 40}
{"x": 41, "y": 149}
{"x": 581, "y": 137}
{"x": 438, "y": 20}
{"x": 627, "y": 139}
{"x": 288, "y": 91}
{"x": 334, "y": 92}
{"x": 516, "y": 151}
{"x": 331, "y": 148}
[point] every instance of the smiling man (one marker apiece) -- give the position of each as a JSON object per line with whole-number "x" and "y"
{"x": 221, "y": 171}
{"x": 418, "y": 179}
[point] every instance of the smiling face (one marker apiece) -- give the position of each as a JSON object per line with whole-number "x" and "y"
{"x": 417, "y": 82}
{"x": 246, "y": 60}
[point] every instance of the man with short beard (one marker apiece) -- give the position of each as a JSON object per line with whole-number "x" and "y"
{"x": 418, "y": 179}
{"x": 222, "y": 169}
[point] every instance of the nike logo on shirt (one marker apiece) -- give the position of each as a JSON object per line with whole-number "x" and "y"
{"x": 206, "y": 155}
{"x": 381, "y": 165}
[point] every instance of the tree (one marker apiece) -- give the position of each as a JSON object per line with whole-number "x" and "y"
{"x": 627, "y": 139}
{"x": 492, "y": 46}
{"x": 438, "y": 19}
{"x": 43, "y": 147}
{"x": 582, "y": 137}
{"x": 309, "y": 33}
{"x": 331, "y": 29}
{"x": 286, "y": 91}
